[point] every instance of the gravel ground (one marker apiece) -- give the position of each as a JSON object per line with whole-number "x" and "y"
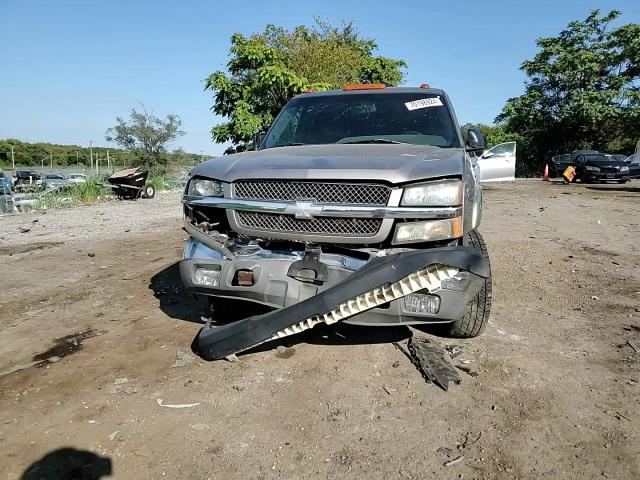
{"x": 94, "y": 352}
{"x": 100, "y": 221}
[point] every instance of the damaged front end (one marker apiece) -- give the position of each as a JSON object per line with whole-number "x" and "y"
{"x": 308, "y": 279}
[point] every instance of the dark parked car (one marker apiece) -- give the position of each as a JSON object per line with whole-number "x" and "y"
{"x": 600, "y": 167}
{"x": 593, "y": 166}
{"x": 633, "y": 162}
{"x": 26, "y": 178}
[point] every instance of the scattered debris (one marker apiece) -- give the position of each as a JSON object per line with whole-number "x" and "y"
{"x": 180, "y": 405}
{"x": 467, "y": 443}
{"x": 634, "y": 345}
{"x": 113, "y": 435}
{"x": 453, "y": 462}
{"x": 182, "y": 359}
{"x": 231, "y": 358}
{"x": 620, "y": 416}
{"x": 23, "y": 229}
{"x": 53, "y": 359}
{"x": 111, "y": 389}
{"x": 454, "y": 350}
{"x": 284, "y": 352}
{"x": 390, "y": 391}
{"x": 593, "y": 297}
{"x": 200, "y": 426}
{"x": 91, "y": 254}
{"x": 430, "y": 360}
{"x": 120, "y": 381}
{"x": 395, "y": 364}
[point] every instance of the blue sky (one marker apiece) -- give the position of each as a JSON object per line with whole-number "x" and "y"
{"x": 68, "y": 68}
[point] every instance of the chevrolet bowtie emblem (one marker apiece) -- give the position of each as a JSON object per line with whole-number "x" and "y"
{"x": 304, "y": 210}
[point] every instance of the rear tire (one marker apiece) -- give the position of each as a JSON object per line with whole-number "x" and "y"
{"x": 149, "y": 191}
{"x": 477, "y": 312}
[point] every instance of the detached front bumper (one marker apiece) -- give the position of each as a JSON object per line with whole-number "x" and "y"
{"x": 274, "y": 288}
{"x": 370, "y": 293}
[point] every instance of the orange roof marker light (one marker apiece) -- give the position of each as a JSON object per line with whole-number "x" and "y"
{"x": 364, "y": 86}
{"x": 425, "y": 85}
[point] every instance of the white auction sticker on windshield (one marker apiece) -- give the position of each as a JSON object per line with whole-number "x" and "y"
{"x": 423, "y": 103}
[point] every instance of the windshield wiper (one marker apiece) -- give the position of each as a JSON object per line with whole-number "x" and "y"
{"x": 374, "y": 140}
{"x": 292, "y": 144}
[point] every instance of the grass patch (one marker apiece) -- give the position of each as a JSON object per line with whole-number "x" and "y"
{"x": 92, "y": 191}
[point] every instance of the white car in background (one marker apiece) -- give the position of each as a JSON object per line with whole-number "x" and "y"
{"x": 77, "y": 178}
{"x": 498, "y": 164}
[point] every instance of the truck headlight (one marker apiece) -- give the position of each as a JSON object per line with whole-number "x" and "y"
{"x": 589, "y": 168}
{"x": 203, "y": 187}
{"x": 430, "y": 230}
{"x": 624, "y": 169}
{"x": 441, "y": 193}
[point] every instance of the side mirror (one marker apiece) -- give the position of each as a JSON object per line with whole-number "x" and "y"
{"x": 475, "y": 141}
{"x": 258, "y": 138}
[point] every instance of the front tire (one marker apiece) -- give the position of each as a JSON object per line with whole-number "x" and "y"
{"x": 476, "y": 315}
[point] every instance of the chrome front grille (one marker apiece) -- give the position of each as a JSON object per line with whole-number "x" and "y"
{"x": 331, "y": 226}
{"x": 319, "y": 192}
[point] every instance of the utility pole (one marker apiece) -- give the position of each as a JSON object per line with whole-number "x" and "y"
{"x": 108, "y": 162}
{"x": 91, "y": 156}
{"x": 42, "y": 165}
{"x": 13, "y": 160}
{"x": 51, "y": 159}
{"x": 77, "y": 160}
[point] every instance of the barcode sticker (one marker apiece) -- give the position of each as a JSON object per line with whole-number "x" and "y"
{"x": 423, "y": 103}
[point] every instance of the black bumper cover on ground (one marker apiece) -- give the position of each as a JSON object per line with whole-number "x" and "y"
{"x": 220, "y": 342}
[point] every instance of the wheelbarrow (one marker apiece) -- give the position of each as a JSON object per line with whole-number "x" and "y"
{"x": 131, "y": 184}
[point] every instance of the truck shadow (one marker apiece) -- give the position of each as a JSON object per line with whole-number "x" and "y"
{"x": 615, "y": 189}
{"x": 69, "y": 464}
{"x": 336, "y": 335}
{"x": 174, "y": 300}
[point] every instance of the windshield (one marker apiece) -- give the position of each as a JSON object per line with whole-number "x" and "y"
{"x": 416, "y": 118}
{"x": 54, "y": 177}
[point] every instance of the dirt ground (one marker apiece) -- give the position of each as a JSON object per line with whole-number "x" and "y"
{"x": 555, "y": 396}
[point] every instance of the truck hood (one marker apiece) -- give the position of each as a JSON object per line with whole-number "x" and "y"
{"x": 393, "y": 163}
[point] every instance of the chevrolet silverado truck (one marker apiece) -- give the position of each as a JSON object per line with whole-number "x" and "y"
{"x": 359, "y": 205}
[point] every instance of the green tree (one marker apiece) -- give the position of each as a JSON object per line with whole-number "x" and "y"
{"x": 267, "y": 69}
{"x": 146, "y": 136}
{"x": 582, "y": 91}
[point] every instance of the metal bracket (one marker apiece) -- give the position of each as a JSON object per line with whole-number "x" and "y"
{"x": 309, "y": 263}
